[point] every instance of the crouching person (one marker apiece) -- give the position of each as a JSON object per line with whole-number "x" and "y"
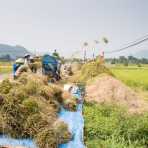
{"x": 21, "y": 65}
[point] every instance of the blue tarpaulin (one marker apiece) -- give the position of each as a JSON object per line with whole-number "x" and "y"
{"x": 75, "y": 122}
{"x": 6, "y": 141}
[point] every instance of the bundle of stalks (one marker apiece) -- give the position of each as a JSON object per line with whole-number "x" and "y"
{"x": 47, "y": 138}
{"x": 33, "y": 77}
{"x": 69, "y": 101}
{"x": 53, "y": 136}
{"x": 34, "y": 124}
{"x": 13, "y": 116}
{"x": 61, "y": 129}
{"x": 57, "y": 92}
{"x": 46, "y": 92}
{"x": 5, "y": 86}
{"x": 23, "y": 78}
{"x": 29, "y": 109}
{"x": 91, "y": 70}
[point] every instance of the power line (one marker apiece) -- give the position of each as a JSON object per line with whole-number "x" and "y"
{"x": 131, "y": 44}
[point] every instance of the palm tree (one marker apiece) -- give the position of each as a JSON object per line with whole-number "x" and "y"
{"x": 105, "y": 40}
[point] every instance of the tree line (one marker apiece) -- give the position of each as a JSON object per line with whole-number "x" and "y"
{"x": 127, "y": 60}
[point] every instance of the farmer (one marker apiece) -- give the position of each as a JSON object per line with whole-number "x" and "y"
{"x": 56, "y": 54}
{"x": 16, "y": 66}
{"x": 21, "y": 65}
{"x": 32, "y": 65}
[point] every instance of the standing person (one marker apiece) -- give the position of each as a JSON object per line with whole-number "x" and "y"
{"x": 56, "y": 54}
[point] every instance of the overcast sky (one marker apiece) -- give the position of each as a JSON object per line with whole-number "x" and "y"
{"x": 45, "y": 25}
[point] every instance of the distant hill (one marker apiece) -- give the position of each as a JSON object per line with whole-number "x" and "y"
{"x": 13, "y": 51}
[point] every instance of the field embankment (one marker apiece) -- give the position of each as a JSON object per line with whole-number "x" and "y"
{"x": 107, "y": 89}
{"x": 115, "y": 115}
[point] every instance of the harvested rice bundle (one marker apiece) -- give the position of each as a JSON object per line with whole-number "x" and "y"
{"x": 91, "y": 70}
{"x": 47, "y": 138}
{"x": 42, "y": 80}
{"x": 55, "y": 105}
{"x": 57, "y": 92}
{"x": 62, "y": 131}
{"x": 5, "y": 86}
{"x": 45, "y": 107}
{"x": 34, "y": 124}
{"x": 15, "y": 83}
{"x": 13, "y": 115}
{"x": 18, "y": 93}
{"x": 70, "y": 105}
{"x": 69, "y": 101}
{"x": 50, "y": 137}
{"x": 46, "y": 92}
{"x": 13, "y": 126}
{"x": 31, "y": 106}
{"x": 32, "y": 87}
{"x": 23, "y": 78}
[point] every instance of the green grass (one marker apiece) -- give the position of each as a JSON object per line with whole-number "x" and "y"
{"x": 132, "y": 76}
{"x": 108, "y": 126}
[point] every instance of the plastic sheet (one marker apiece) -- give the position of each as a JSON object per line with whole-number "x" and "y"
{"x": 6, "y": 141}
{"x": 75, "y": 122}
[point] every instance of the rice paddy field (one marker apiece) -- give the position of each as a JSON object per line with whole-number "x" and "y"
{"x": 5, "y": 67}
{"x": 136, "y": 77}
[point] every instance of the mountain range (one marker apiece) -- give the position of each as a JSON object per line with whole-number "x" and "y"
{"x": 13, "y": 51}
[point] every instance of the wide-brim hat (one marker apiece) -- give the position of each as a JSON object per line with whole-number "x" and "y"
{"x": 19, "y": 61}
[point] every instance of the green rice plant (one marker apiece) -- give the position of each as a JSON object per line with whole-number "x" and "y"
{"x": 110, "y": 126}
{"x": 134, "y": 77}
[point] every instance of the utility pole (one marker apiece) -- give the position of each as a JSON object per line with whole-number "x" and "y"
{"x": 85, "y": 54}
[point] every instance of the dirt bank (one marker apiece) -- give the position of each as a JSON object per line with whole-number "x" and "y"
{"x": 107, "y": 89}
